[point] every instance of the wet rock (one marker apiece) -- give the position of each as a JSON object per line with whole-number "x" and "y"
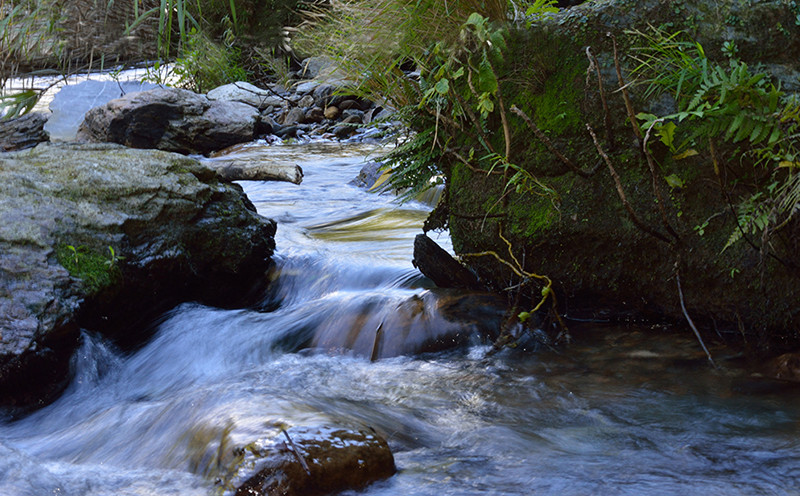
{"x": 368, "y": 175}
{"x": 435, "y": 320}
{"x": 246, "y": 93}
{"x": 23, "y": 132}
{"x": 102, "y": 237}
{"x": 343, "y": 131}
{"x": 440, "y": 267}
{"x": 170, "y": 119}
{"x": 309, "y": 461}
{"x": 353, "y": 116}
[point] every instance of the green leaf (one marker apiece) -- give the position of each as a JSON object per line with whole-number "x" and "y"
{"x": 476, "y": 20}
{"x": 667, "y": 134}
{"x": 442, "y": 87}
{"x": 487, "y": 81}
{"x": 674, "y": 181}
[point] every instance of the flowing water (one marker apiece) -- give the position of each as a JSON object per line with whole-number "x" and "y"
{"x": 622, "y": 411}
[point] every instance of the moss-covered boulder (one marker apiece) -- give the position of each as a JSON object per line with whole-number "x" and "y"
{"x": 574, "y": 227}
{"x": 104, "y": 238}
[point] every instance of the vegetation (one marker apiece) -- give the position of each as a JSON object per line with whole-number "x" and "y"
{"x": 97, "y": 271}
{"x": 733, "y": 105}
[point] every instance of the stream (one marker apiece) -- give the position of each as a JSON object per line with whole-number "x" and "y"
{"x": 623, "y": 410}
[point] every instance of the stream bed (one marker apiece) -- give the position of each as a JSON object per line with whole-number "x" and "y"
{"x": 624, "y": 410}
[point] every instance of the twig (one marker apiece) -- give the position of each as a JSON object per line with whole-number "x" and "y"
{"x": 621, "y": 192}
{"x": 686, "y": 314}
{"x": 296, "y": 452}
{"x": 606, "y": 113}
{"x": 656, "y": 189}
{"x": 624, "y": 88}
{"x": 549, "y": 144}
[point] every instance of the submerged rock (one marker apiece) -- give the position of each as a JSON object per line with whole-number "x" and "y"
{"x": 170, "y": 119}
{"x": 435, "y": 320}
{"x": 105, "y": 238}
{"x": 309, "y": 461}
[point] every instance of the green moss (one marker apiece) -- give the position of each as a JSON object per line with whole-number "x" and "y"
{"x": 531, "y": 217}
{"x": 95, "y": 270}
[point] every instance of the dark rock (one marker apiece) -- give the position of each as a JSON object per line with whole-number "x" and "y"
{"x": 23, "y": 132}
{"x": 265, "y": 125}
{"x": 368, "y": 175}
{"x": 70, "y": 104}
{"x": 315, "y": 115}
{"x": 444, "y": 270}
{"x": 177, "y": 234}
{"x": 322, "y": 94}
{"x": 353, "y": 116}
{"x": 295, "y": 116}
{"x": 343, "y": 131}
{"x": 333, "y": 460}
{"x": 170, "y": 119}
{"x": 348, "y": 104}
{"x": 287, "y": 132}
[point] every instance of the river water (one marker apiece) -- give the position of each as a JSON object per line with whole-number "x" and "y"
{"x": 621, "y": 411}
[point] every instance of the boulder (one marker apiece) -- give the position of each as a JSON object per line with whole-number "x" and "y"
{"x": 105, "y": 238}
{"x": 70, "y": 104}
{"x": 23, "y": 132}
{"x": 246, "y": 93}
{"x": 580, "y": 233}
{"x": 170, "y": 119}
{"x": 308, "y": 461}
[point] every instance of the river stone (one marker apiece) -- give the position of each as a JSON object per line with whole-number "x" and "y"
{"x": 336, "y": 459}
{"x": 295, "y": 116}
{"x": 23, "y": 132}
{"x": 170, "y": 119}
{"x": 331, "y": 112}
{"x": 323, "y": 93}
{"x": 306, "y": 87}
{"x": 306, "y": 101}
{"x": 241, "y": 91}
{"x": 70, "y": 104}
{"x": 177, "y": 234}
{"x": 314, "y": 115}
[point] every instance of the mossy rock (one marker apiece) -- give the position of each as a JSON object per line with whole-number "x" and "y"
{"x": 581, "y": 235}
